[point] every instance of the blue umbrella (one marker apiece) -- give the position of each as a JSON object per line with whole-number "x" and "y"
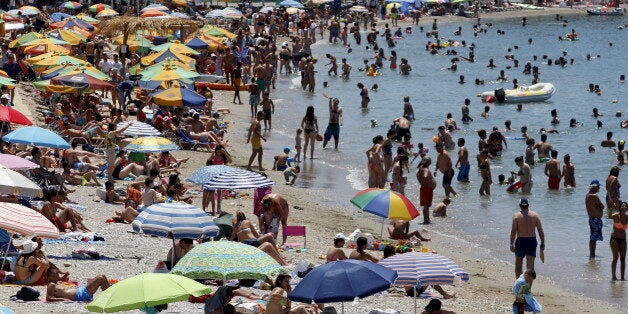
{"x": 187, "y": 96}
{"x": 290, "y": 3}
{"x": 59, "y": 16}
{"x": 238, "y": 180}
{"x": 343, "y": 281}
{"x": 36, "y": 136}
{"x": 179, "y": 219}
{"x": 205, "y": 174}
{"x": 197, "y": 43}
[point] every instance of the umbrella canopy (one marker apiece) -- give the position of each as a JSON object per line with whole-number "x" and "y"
{"x": 146, "y": 290}
{"x": 180, "y": 15}
{"x": 290, "y": 3}
{"x": 44, "y": 41}
{"x": 178, "y": 96}
{"x": 71, "y": 5}
{"x": 358, "y": 8}
{"x": 54, "y": 59}
{"x": 53, "y": 88}
{"x": 138, "y": 129}
{"x": 153, "y": 13}
{"x": 217, "y": 31}
{"x": 15, "y": 183}
{"x": 155, "y": 6}
{"x": 107, "y": 13}
{"x": 8, "y": 114}
{"x": 59, "y": 16}
{"x": 16, "y": 163}
{"x": 5, "y": 81}
{"x": 135, "y": 42}
{"x": 165, "y": 55}
{"x": 176, "y": 47}
{"x": 16, "y": 43}
{"x": 227, "y": 260}
{"x": 238, "y": 179}
{"x": 179, "y": 219}
{"x": 168, "y": 72}
{"x": 385, "y": 203}
{"x": 417, "y": 268}
{"x": 25, "y": 10}
{"x": 44, "y": 48}
{"x": 69, "y": 69}
{"x": 80, "y": 80}
{"x": 86, "y": 18}
{"x": 70, "y": 36}
{"x": 69, "y": 23}
{"x": 19, "y": 219}
{"x": 160, "y": 65}
{"x": 36, "y": 136}
{"x": 99, "y": 7}
{"x": 8, "y": 18}
{"x": 205, "y": 174}
{"x": 343, "y": 281}
{"x": 197, "y": 43}
{"x": 151, "y": 144}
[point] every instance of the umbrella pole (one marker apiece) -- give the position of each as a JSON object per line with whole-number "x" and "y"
{"x": 382, "y": 232}
{"x": 343, "y": 307}
{"x": 174, "y": 249}
{"x": 6, "y": 252}
{"x": 415, "y": 297}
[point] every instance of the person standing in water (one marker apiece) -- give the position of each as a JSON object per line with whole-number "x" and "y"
{"x": 618, "y": 241}
{"x": 524, "y": 174}
{"x": 569, "y": 172}
{"x": 463, "y": 162}
{"x": 552, "y": 171}
{"x": 309, "y": 124}
{"x": 364, "y": 94}
{"x": 335, "y": 119}
{"x": 444, "y": 164}
{"x": 428, "y": 184}
{"x": 523, "y": 241}
{"x": 595, "y": 210}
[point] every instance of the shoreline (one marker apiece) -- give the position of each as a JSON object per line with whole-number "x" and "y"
{"x": 488, "y": 288}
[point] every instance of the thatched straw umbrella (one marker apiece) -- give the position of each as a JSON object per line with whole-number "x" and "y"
{"x": 128, "y": 25}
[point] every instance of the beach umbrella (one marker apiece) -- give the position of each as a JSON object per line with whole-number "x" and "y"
{"x": 13, "y": 26}
{"x": 205, "y": 174}
{"x": 168, "y": 72}
{"x": 36, "y": 136}
{"x": 166, "y": 62}
{"x": 227, "y": 260}
{"x": 180, "y": 220}
{"x": 135, "y": 42}
{"x": 290, "y": 3}
{"x": 14, "y": 162}
{"x": 15, "y": 183}
{"x": 71, "y": 5}
{"x": 45, "y": 48}
{"x": 53, "y": 59}
{"x": 107, "y": 13}
{"x": 80, "y": 80}
{"x": 358, "y": 8}
{"x": 59, "y": 16}
{"x": 217, "y": 32}
{"x": 459, "y": 1}
{"x": 70, "y": 36}
{"x": 165, "y": 55}
{"x": 176, "y": 47}
{"x": 179, "y": 15}
{"x": 70, "y": 23}
{"x": 151, "y": 144}
{"x": 70, "y": 69}
{"x": 145, "y": 291}
{"x": 182, "y": 3}
{"x": 10, "y": 115}
{"x": 86, "y": 18}
{"x": 197, "y": 43}
{"x": 421, "y": 269}
{"x": 138, "y": 129}
{"x": 217, "y": 13}
{"x": 99, "y": 7}
{"x": 342, "y": 281}
{"x": 385, "y": 203}
{"x": 177, "y": 97}
{"x": 266, "y": 10}
{"x": 19, "y": 42}
{"x": 319, "y": 2}
{"x": 294, "y": 10}
{"x": 53, "y": 88}
{"x": 5, "y": 81}
{"x": 238, "y": 180}
{"x": 25, "y": 10}
{"x": 153, "y": 13}
{"x": 43, "y": 41}
{"x": 8, "y": 18}
{"x": 155, "y": 6}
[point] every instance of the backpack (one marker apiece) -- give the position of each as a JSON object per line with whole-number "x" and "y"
{"x": 27, "y": 294}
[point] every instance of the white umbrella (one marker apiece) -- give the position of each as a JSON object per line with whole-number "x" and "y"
{"x": 238, "y": 180}
{"x": 15, "y": 183}
{"x": 138, "y": 129}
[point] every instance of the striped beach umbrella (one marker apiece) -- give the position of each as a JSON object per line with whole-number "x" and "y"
{"x": 417, "y": 268}
{"x": 385, "y": 203}
{"x": 138, "y": 129}
{"x": 238, "y": 180}
{"x": 205, "y": 174}
{"x": 151, "y": 144}
{"x": 227, "y": 260}
{"x": 177, "y": 97}
{"x": 19, "y": 219}
{"x": 179, "y": 219}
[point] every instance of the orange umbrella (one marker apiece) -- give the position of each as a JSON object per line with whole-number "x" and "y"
{"x": 45, "y": 48}
{"x": 153, "y": 13}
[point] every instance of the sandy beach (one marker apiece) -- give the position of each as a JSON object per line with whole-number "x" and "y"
{"x": 488, "y": 291}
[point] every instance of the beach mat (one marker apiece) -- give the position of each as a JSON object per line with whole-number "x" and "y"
{"x": 69, "y": 257}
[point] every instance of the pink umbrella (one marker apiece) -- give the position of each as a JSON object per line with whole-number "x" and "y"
{"x": 16, "y": 163}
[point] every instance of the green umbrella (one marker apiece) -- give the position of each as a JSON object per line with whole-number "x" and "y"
{"x": 176, "y": 47}
{"x": 167, "y": 73}
{"x": 5, "y": 81}
{"x": 227, "y": 260}
{"x": 146, "y": 290}
{"x": 459, "y": 1}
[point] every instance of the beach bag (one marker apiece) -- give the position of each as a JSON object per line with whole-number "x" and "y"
{"x": 27, "y": 294}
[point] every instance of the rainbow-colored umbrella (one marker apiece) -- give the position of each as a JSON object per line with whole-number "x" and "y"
{"x": 107, "y": 13}
{"x": 16, "y": 43}
{"x": 176, "y": 47}
{"x": 54, "y": 59}
{"x": 385, "y": 203}
{"x": 167, "y": 54}
{"x": 72, "y": 5}
{"x": 168, "y": 73}
{"x": 80, "y": 80}
{"x": 95, "y": 8}
{"x": 178, "y": 96}
{"x": 70, "y": 69}
{"x": 72, "y": 37}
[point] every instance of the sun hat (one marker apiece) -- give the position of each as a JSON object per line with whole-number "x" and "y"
{"x": 29, "y": 247}
{"x": 340, "y": 236}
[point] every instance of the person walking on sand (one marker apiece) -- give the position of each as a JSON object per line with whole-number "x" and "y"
{"x": 428, "y": 184}
{"x": 463, "y": 162}
{"x": 309, "y": 124}
{"x": 335, "y": 120}
{"x": 523, "y": 237}
{"x": 254, "y": 136}
{"x": 618, "y": 241}
{"x": 552, "y": 171}
{"x": 268, "y": 107}
{"x": 595, "y": 210}
{"x": 444, "y": 164}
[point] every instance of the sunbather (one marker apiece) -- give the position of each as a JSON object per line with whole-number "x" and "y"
{"x": 76, "y": 177}
{"x": 61, "y": 292}
{"x": 129, "y": 213}
{"x": 30, "y": 266}
{"x": 59, "y": 214}
{"x": 244, "y": 231}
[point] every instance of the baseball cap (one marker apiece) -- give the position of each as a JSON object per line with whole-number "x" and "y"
{"x": 286, "y": 149}
{"x": 595, "y": 182}
{"x": 29, "y": 246}
{"x": 340, "y": 236}
{"x": 5, "y": 96}
{"x": 523, "y": 202}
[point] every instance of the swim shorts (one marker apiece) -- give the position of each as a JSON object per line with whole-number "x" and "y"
{"x": 80, "y": 166}
{"x": 82, "y": 294}
{"x": 463, "y": 174}
{"x": 333, "y": 130}
{"x": 553, "y": 183}
{"x": 267, "y": 114}
{"x": 261, "y": 83}
{"x": 426, "y": 194}
{"x": 282, "y": 168}
{"x": 254, "y": 100}
{"x": 447, "y": 177}
{"x": 525, "y": 246}
{"x": 252, "y": 242}
{"x": 595, "y": 225}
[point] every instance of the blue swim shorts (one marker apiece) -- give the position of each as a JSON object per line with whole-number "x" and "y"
{"x": 82, "y": 294}
{"x": 525, "y": 246}
{"x": 595, "y": 225}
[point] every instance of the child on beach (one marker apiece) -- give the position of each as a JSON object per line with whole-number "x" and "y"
{"x": 281, "y": 160}
{"x": 291, "y": 172}
{"x": 297, "y": 145}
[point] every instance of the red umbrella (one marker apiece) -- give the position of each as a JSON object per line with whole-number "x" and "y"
{"x": 8, "y": 114}
{"x": 80, "y": 80}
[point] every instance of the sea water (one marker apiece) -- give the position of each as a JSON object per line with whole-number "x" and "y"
{"x": 482, "y": 221}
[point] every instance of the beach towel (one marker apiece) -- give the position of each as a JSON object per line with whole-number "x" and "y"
{"x": 83, "y": 257}
{"x": 76, "y": 237}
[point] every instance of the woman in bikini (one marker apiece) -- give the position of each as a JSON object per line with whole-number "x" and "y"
{"x": 30, "y": 267}
{"x": 377, "y": 176}
{"x": 309, "y": 124}
{"x": 122, "y": 168}
{"x": 278, "y": 302}
{"x": 219, "y": 156}
{"x": 618, "y": 241}
{"x": 612, "y": 190}
{"x": 244, "y": 231}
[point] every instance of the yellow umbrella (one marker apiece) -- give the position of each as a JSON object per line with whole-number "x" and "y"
{"x": 217, "y": 32}
{"x": 68, "y": 69}
{"x": 58, "y": 59}
{"x": 160, "y": 56}
{"x": 25, "y": 39}
{"x": 170, "y": 62}
{"x": 71, "y": 36}
{"x": 176, "y": 47}
{"x": 293, "y": 10}
{"x": 44, "y": 41}
{"x": 44, "y": 48}
{"x": 107, "y": 13}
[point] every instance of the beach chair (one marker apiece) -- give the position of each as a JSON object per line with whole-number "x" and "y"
{"x": 295, "y": 231}
{"x": 5, "y": 243}
{"x": 184, "y": 139}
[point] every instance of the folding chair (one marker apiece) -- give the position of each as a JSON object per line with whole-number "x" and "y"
{"x": 295, "y": 231}
{"x": 184, "y": 139}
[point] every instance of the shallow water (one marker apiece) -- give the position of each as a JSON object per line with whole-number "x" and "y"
{"x": 434, "y": 92}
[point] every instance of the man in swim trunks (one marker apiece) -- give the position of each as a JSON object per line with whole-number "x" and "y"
{"x": 61, "y": 292}
{"x": 333, "y": 128}
{"x": 543, "y": 149}
{"x": 260, "y": 77}
{"x": 426, "y": 191}
{"x": 595, "y": 210}
{"x": 281, "y": 160}
{"x": 523, "y": 236}
{"x": 444, "y": 164}
{"x": 463, "y": 161}
{"x": 552, "y": 171}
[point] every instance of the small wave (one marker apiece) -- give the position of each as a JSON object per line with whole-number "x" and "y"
{"x": 356, "y": 179}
